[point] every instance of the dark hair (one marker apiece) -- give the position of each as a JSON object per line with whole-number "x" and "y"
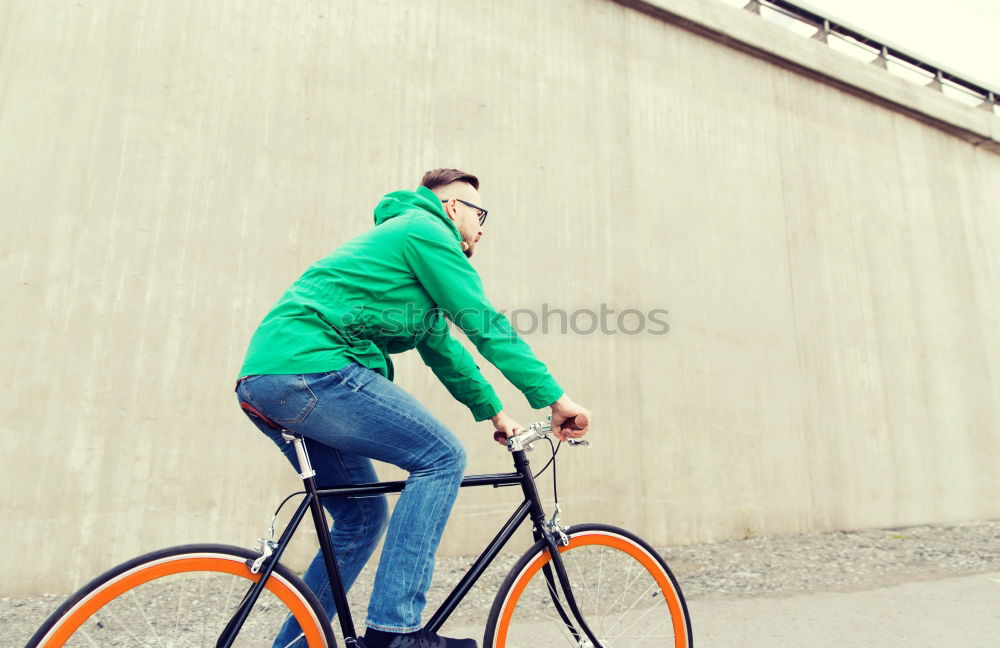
{"x": 440, "y": 177}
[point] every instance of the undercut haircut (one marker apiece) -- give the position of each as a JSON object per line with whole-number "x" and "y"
{"x": 440, "y": 177}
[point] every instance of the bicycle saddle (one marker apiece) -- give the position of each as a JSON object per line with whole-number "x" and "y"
{"x": 255, "y": 413}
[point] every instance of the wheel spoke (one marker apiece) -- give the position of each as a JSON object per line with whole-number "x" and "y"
{"x": 644, "y": 614}
{"x": 125, "y": 627}
{"x": 562, "y": 627}
{"x": 618, "y": 622}
{"x": 600, "y": 573}
{"x": 562, "y": 624}
{"x": 587, "y": 590}
{"x": 583, "y": 580}
{"x": 628, "y": 584}
{"x": 86, "y": 635}
{"x": 199, "y": 602}
{"x": 144, "y": 617}
{"x": 180, "y": 608}
{"x": 650, "y": 633}
{"x": 623, "y": 598}
{"x": 600, "y": 577}
{"x": 225, "y": 608}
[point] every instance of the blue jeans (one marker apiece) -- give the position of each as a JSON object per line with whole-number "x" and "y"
{"x": 349, "y": 417}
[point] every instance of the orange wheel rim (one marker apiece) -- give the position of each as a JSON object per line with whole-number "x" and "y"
{"x": 127, "y": 581}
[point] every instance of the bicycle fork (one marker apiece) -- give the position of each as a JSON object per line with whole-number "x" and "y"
{"x": 540, "y": 530}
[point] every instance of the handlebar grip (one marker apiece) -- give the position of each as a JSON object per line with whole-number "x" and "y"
{"x": 499, "y": 436}
{"x": 578, "y": 422}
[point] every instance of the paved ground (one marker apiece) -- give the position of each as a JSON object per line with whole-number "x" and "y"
{"x": 952, "y": 612}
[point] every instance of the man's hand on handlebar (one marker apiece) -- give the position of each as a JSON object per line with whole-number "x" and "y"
{"x": 505, "y": 425}
{"x": 569, "y": 420}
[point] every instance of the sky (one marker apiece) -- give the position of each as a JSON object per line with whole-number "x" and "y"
{"x": 960, "y": 35}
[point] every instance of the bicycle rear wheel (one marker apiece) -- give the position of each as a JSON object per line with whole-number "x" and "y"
{"x": 624, "y": 589}
{"x": 182, "y": 597}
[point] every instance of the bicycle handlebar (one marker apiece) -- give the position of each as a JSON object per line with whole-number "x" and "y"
{"x": 540, "y": 430}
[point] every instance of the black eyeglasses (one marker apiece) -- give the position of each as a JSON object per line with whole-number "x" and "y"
{"x": 482, "y": 212}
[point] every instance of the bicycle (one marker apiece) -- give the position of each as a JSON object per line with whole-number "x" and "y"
{"x": 556, "y": 589}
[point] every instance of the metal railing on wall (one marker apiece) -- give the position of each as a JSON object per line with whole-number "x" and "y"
{"x": 853, "y": 41}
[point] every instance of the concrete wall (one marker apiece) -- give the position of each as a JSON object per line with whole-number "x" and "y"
{"x": 825, "y": 239}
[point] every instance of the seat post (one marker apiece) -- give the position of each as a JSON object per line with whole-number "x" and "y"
{"x": 305, "y": 467}
{"x": 308, "y": 476}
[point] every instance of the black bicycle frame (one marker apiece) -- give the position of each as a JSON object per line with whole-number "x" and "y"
{"x": 531, "y": 508}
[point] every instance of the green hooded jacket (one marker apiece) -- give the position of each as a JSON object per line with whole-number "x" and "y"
{"x": 389, "y": 290}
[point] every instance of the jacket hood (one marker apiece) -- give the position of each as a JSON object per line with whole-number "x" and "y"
{"x": 422, "y": 199}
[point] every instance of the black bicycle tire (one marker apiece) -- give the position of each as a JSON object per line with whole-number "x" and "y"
{"x": 532, "y": 553}
{"x": 237, "y": 552}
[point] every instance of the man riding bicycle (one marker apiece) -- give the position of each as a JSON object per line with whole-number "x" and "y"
{"x": 319, "y": 365}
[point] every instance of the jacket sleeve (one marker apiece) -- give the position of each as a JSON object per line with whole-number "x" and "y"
{"x": 454, "y": 285}
{"x": 458, "y": 372}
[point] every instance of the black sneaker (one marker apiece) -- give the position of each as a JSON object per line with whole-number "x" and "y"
{"x": 422, "y": 638}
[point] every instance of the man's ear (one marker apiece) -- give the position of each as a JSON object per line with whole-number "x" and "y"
{"x": 450, "y": 213}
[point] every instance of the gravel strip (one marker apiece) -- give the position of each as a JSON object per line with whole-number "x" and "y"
{"x": 838, "y": 561}
{"x": 747, "y": 568}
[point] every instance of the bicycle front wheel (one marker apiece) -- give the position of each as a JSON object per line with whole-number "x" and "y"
{"x": 182, "y": 597}
{"x": 624, "y": 589}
